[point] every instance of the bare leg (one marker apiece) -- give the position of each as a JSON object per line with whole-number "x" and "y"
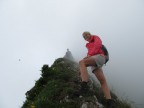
{"x": 84, "y": 63}
{"x": 100, "y": 76}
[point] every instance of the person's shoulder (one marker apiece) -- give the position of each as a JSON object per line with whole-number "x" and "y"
{"x": 95, "y": 36}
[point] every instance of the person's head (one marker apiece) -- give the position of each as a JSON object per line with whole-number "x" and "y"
{"x": 86, "y": 35}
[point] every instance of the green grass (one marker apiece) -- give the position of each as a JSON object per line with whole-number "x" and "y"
{"x": 57, "y": 82}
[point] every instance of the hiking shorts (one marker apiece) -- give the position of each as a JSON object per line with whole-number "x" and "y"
{"x": 100, "y": 60}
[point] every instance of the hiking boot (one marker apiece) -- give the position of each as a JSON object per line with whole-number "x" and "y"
{"x": 83, "y": 89}
{"x": 110, "y": 103}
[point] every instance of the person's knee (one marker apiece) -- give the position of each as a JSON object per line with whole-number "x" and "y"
{"x": 81, "y": 62}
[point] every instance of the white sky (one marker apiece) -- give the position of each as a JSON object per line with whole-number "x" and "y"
{"x": 39, "y": 31}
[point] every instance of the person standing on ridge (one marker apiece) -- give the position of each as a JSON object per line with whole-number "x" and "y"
{"x": 95, "y": 58}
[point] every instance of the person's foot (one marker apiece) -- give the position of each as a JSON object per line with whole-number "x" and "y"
{"x": 110, "y": 103}
{"x": 83, "y": 89}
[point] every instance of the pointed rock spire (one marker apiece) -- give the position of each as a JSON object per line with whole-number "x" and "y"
{"x": 68, "y": 55}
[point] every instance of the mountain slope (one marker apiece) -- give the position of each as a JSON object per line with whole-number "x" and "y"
{"x": 57, "y": 84}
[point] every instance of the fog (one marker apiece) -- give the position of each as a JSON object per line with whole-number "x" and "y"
{"x": 33, "y": 33}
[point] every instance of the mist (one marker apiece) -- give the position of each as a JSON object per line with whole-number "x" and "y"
{"x": 33, "y": 33}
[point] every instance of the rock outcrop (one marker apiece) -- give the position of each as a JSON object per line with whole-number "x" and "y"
{"x": 68, "y": 55}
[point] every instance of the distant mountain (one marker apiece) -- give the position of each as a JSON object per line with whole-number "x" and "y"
{"x": 57, "y": 84}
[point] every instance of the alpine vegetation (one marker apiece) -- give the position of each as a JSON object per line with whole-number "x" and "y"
{"x": 57, "y": 87}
